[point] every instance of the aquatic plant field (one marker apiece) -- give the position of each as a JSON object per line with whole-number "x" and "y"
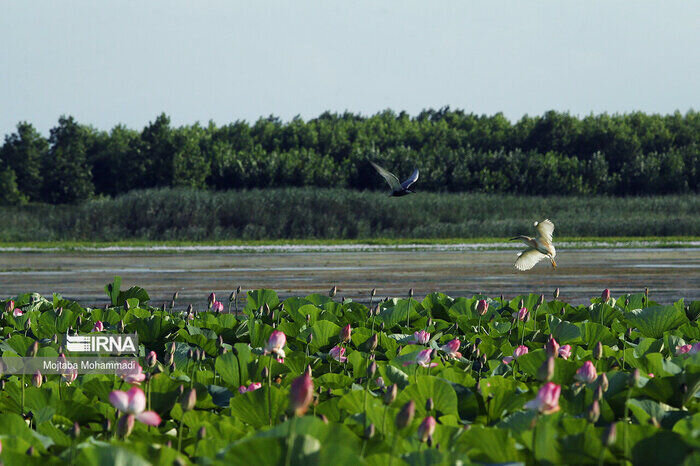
{"x": 317, "y": 379}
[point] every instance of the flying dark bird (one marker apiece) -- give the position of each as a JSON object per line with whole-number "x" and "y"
{"x": 540, "y": 247}
{"x": 397, "y": 188}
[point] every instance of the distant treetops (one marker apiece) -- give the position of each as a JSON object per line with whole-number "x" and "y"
{"x": 624, "y": 154}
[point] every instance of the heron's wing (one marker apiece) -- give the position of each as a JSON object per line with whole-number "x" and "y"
{"x": 388, "y": 176}
{"x": 528, "y": 258}
{"x": 411, "y": 180}
{"x": 545, "y": 228}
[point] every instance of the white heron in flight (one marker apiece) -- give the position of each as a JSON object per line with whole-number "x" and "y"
{"x": 540, "y": 247}
{"x": 397, "y": 188}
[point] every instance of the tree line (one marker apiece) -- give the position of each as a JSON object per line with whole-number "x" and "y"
{"x": 556, "y": 153}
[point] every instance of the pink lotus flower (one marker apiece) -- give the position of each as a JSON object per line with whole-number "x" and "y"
{"x": 211, "y": 299}
{"x": 552, "y": 347}
{"x": 482, "y": 307}
{"x": 275, "y": 344}
{"x": 345, "y": 333}
{"x": 301, "y": 394}
{"x": 605, "y": 296}
{"x": 426, "y": 428}
{"x": 651, "y": 375}
{"x": 151, "y": 359}
{"x": 98, "y": 327}
{"x": 519, "y": 351}
{"x": 587, "y": 373}
{"x": 338, "y": 353}
{"x": 250, "y": 388}
{"x": 69, "y": 375}
{"x": 134, "y": 375}
{"x": 565, "y": 351}
{"x": 133, "y": 402}
{"x": 37, "y": 379}
{"x": 217, "y": 306}
{"x": 451, "y": 349}
{"x": 421, "y": 337}
{"x": 523, "y": 314}
{"x": 683, "y": 349}
{"x": 422, "y": 359}
{"x": 547, "y": 401}
{"x": 17, "y": 312}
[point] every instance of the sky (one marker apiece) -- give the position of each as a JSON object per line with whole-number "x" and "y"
{"x": 125, "y": 62}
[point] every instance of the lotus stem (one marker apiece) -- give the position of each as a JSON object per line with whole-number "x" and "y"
{"x": 179, "y": 433}
{"x": 269, "y": 389}
{"x": 290, "y": 432}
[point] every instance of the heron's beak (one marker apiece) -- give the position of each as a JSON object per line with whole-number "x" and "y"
{"x": 519, "y": 238}
{"x": 554, "y": 264}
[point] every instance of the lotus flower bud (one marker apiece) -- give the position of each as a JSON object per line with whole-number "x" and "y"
{"x": 390, "y": 394}
{"x": 151, "y": 359}
{"x": 369, "y": 431}
{"x": 201, "y": 433}
{"x": 482, "y": 307}
{"x": 333, "y": 291}
{"x": 605, "y": 296}
{"x": 373, "y": 292}
{"x": 552, "y": 347}
{"x": 309, "y": 338}
{"x": 106, "y": 425}
{"x": 75, "y": 432}
{"x": 381, "y": 327}
{"x": 190, "y": 354}
{"x": 28, "y": 324}
{"x": 2, "y": 384}
{"x": 190, "y": 308}
{"x": 540, "y": 301}
{"x": 410, "y": 293}
{"x": 598, "y": 395}
{"x": 308, "y": 370}
{"x": 37, "y": 379}
{"x": 598, "y": 351}
{"x": 323, "y": 418}
{"x": 429, "y": 405}
{"x": 373, "y": 341}
{"x": 603, "y": 382}
{"x": 556, "y": 293}
{"x": 172, "y": 348}
{"x": 301, "y": 394}
{"x": 265, "y": 373}
{"x": 198, "y": 354}
{"x": 33, "y": 349}
{"x": 405, "y": 416}
{"x": 521, "y": 304}
{"x": 172, "y": 366}
{"x": 232, "y": 297}
{"x": 59, "y": 312}
{"x": 634, "y": 378}
{"x": 120, "y": 326}
{"x": 546, "y": 370}
{"x": 171, "y": 359}
{"x": 125, "y": 425}
{"x": 426, "y": 428}
{"x": 212, "y": 298}
{"x": 610, "y": 435}
{"x": 345, "y": 333}
{"x": 30, "y": 451}
{"x": 593, "y": 412}
{"x": 372, "y": 369}
{"x": 189, "y": 400}
{"x": 9, "y": 306}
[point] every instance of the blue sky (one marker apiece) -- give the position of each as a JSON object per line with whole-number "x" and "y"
{"x": 126, "y": 61}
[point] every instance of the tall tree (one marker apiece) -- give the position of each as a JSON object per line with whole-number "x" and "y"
{"x": 23, "y": 153}
{"x": 68, "y": 178}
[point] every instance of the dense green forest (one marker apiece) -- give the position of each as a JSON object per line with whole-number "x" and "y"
{"x": 186, "y": 214}
{"x": 556, "y": 153}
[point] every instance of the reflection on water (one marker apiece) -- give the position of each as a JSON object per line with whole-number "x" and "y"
{"x": 670, "y": 274}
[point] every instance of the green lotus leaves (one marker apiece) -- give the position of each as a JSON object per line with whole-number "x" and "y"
{"x": 483, "y": 400}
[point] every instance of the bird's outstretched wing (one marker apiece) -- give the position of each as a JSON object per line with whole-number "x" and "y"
{"x": 388, "y": 176}
{"x": 528, "y": 259}
{"x": 410, "y": 181}
{"x": 545, "y": 228}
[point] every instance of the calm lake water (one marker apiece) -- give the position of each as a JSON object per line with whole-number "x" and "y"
{"x": 670, "y": 274}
